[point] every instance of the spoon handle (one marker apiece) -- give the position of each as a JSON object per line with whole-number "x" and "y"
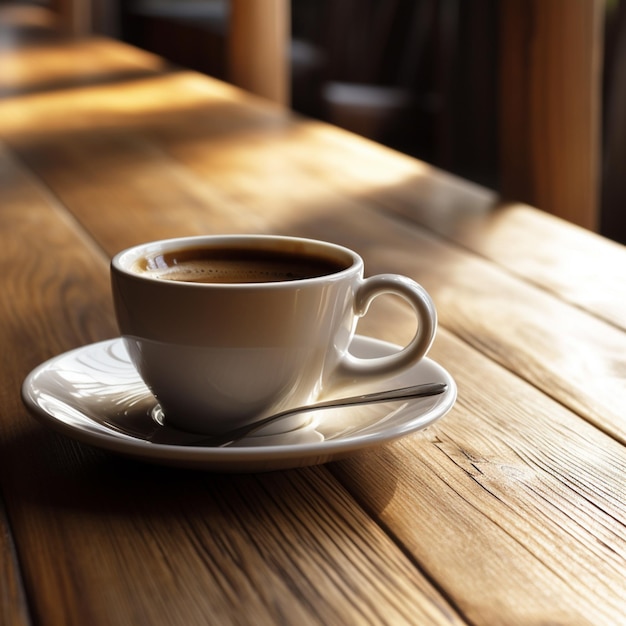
{"x": 405, "y": 393}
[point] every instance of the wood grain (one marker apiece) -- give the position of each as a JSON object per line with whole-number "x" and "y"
{"x": 187, "y": 548}
{"x": 509, "y": 492}
{"x": 13, "y": 607}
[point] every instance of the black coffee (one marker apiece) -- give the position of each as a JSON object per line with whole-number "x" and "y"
{"x": 238, "y": 265}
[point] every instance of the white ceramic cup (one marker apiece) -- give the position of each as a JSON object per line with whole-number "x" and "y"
{"x": 219, "y": 355}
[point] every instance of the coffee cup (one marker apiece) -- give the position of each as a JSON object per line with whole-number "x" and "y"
{"x": 227, "y": 329}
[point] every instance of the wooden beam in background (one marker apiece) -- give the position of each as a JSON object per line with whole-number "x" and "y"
{"x": 259, "y": 40}
{"x": 550, "y": 77}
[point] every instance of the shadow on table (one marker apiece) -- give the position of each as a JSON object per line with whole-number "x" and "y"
{"x": 67, "y": 477}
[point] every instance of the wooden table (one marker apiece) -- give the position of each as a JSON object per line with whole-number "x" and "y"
{"x": 510, "y": 510}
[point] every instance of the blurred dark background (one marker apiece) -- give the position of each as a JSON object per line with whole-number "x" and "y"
{"x": 420, "y": 76}
{"x": 415, "y": 75}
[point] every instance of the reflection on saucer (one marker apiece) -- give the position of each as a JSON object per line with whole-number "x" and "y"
{"x": 304, "y": 433}
{"x": 95, "y": 395}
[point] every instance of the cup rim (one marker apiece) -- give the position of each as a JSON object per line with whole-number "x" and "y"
{"x": 122, "y": 261}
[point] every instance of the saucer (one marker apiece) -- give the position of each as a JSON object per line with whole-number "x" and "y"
{"x": 95, "y": 395}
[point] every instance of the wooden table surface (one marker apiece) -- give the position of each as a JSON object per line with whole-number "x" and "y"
{"x": 510, "y": 510}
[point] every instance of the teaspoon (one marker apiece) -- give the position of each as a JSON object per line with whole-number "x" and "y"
{"x": 405, "y": 393}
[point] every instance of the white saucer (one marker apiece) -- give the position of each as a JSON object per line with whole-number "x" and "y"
{"x": 95, "y": 395}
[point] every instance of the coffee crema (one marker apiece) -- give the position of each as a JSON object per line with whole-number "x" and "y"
{"x": 230, "y": 265}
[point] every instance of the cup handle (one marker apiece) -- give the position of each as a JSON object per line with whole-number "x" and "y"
{"x": 424, "y": 308}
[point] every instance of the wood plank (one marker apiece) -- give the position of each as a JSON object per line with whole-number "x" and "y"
{"x": 13, "y": 607}
{"x": 570, "y": 262}
{"x": 272, "y": 546}
{"x": 62, "y": 64}
{"x": 181, "y": 547}
{"x": 514, "y": 505}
